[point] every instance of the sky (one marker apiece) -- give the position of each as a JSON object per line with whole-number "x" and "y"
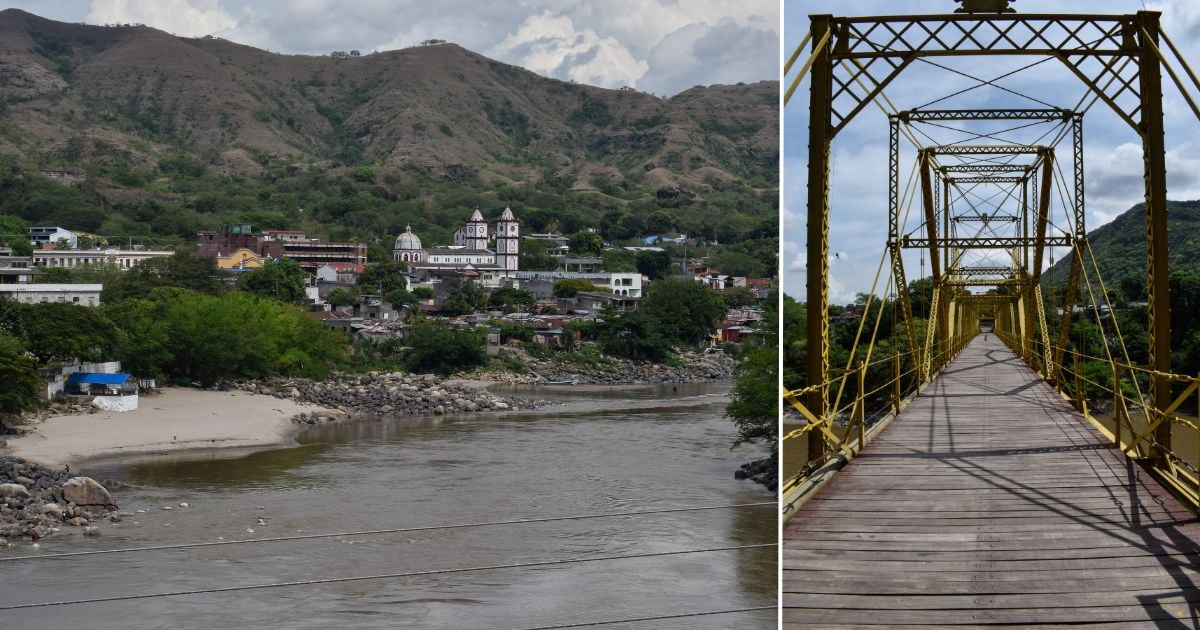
{"x": 658, "y": 46}
{"x": 858, "y": 190}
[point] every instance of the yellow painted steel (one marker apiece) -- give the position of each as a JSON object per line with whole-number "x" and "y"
{"x": 1140, "y": 424}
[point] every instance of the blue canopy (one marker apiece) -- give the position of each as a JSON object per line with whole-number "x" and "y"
{"x": 98, "y": 378}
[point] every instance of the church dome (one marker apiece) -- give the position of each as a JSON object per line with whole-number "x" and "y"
{"x": 407, "y": 240}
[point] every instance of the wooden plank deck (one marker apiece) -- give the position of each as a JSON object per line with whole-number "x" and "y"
{"x": 990, "y": 501}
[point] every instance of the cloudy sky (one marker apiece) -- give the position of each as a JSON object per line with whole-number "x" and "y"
{"x": 1112, "y": 156}
{"x": 657, "y": 46}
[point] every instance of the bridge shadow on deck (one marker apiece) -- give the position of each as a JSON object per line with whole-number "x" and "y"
{"x": 990, "y": 501}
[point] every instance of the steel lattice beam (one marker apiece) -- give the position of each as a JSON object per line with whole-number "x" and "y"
{"x": 985, "y": 168}
{"x": 986, "y": 179}
{"x": 923, "y": 115}
{"x": 990, "y": 242}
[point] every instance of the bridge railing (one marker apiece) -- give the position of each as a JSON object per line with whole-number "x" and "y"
{"x": 1114, "y": 396}
{"x": 862, "y": 400}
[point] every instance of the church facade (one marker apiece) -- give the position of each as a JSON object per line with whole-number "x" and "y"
{"x": 471, "y": 256}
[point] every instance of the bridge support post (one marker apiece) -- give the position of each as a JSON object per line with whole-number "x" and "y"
{"x": 820, "y": 113}
{"x": 1118, "y": 404}
{"x": 896, "y": 388}
{"x": 1157, "y": 281}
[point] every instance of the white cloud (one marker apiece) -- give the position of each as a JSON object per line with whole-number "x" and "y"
{"x": 188, "y": 18}
{"x": 552, "y": 45}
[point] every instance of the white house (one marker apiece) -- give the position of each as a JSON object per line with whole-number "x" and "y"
{"x": 123, "y": 258}
{"x": 82, "y": 294}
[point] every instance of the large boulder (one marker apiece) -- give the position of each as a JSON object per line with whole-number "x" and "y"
{"x": 13, "y": 490}
{"x": 86, "y": 493}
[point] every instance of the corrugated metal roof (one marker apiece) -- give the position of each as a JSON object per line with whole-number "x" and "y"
{"x": 98, "y": 378}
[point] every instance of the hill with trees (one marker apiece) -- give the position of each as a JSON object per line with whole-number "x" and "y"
{"x": 1120, "y": 247}
{"x": 136, "y": 134}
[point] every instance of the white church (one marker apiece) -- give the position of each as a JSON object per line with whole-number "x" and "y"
{"x": 471, "y": 255}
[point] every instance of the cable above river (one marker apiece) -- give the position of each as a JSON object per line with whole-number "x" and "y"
{"x": 550, "y": 519}
{"x": 383, "y": 576}
{"x": 657, "y": 618}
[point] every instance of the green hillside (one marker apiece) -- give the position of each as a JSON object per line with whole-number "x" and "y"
{"x": 1120, "y": 246}
{"x": 141, "y": 136}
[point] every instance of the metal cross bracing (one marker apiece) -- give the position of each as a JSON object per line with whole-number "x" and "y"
{"x": 984, "y": 202}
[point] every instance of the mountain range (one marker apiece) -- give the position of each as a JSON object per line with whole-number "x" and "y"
{"x": 72, "y": 92}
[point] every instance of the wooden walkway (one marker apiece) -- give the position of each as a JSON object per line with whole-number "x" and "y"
{"x": 990, "y": 501}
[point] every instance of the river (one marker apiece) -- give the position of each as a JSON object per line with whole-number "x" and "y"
{"x": 606, "y": 451}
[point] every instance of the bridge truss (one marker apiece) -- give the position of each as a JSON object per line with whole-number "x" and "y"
{"x": 984, "y": 220}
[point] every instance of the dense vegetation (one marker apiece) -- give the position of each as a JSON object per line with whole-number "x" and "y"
{"x": 754, "y": 402}
{"x": 1120, "y": 245}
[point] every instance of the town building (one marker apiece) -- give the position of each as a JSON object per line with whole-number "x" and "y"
{"x": 51, "y": 235}
{"x": 340, "y": 273}
{"x": 241, "y": 259}
{"x": 75, "y": 258}
{"x": 541, "y": 283}
{"x": 471, "y": 257}
{"x": 82, "y": 294}
{"x": 16, "y": 269}
{"x": 309, "y": 253}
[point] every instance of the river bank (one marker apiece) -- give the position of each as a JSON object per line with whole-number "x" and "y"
{"x": 521, "y": 368}
{"x": 173, "y": 419}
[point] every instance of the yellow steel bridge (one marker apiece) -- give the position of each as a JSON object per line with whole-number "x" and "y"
{"x": 977, "y": 466}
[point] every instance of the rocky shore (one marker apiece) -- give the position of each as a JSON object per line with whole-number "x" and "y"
{"x": 764, "y": 471}
{"x": 37, "y": 501}
{"x": 690, "y": 367}
{"x": 376, "y": 394}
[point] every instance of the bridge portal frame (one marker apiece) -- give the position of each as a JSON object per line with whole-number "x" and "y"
{"x": 889, "y": 44}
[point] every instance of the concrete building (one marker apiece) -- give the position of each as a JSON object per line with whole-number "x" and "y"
{"x": 309, "y": 253}
{"x": 470, "y": 257}
{"x": 82, "y": 294}
{"x": 51, "y": 235}
{"x": 17, "y": 269}
{"x": 71, "y": 259}
{"x": 541, "y": 283}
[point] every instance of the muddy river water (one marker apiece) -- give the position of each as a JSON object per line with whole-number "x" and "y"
{"x": 606, "y": 451}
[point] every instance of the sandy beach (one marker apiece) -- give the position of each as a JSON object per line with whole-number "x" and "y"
{"x": 176, "y": 419}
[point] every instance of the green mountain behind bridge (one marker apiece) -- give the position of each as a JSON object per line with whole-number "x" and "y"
{"x": 1120, "y": 245}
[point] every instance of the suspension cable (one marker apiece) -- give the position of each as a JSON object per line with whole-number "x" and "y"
{"x": 382, "y": 576}
{"x": 399, "y": 530}
{"x": 658, "y": 618}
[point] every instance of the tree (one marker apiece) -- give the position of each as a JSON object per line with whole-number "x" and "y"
{"x": 60, "y": 330}
{"x": 653, "y": 264}
{"x": 738, "y": 297}
{"x": 442, "y": 349}
{"x": 464, "y": 297}
{"x": 687, "y": 311}
{"x": 584, "y": 242}
{"x": 620, "y": 261}
{"x": 383, "y": 277}
{"x": 240, "y": 335}
{"x": 732, "y": 263}
{"x": 568, "y": 288}
{"x": 754, "y": 402}
{"x": 10, "y": 317}
{"x": 182, "y": 270}
{"x": 423, "y": 293}
{"x": 632, "y": 334}
{"x": 283, "y": 280}
{"x": 510, "y": 300}
{"x": 22, "y": 384}
{"x": 145, "y": 348}
{"x": 341, "y": 297}
{"x": 399, "y": 298}
{"x": 535, "y": 257}
{"x": 661, "y": 222}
